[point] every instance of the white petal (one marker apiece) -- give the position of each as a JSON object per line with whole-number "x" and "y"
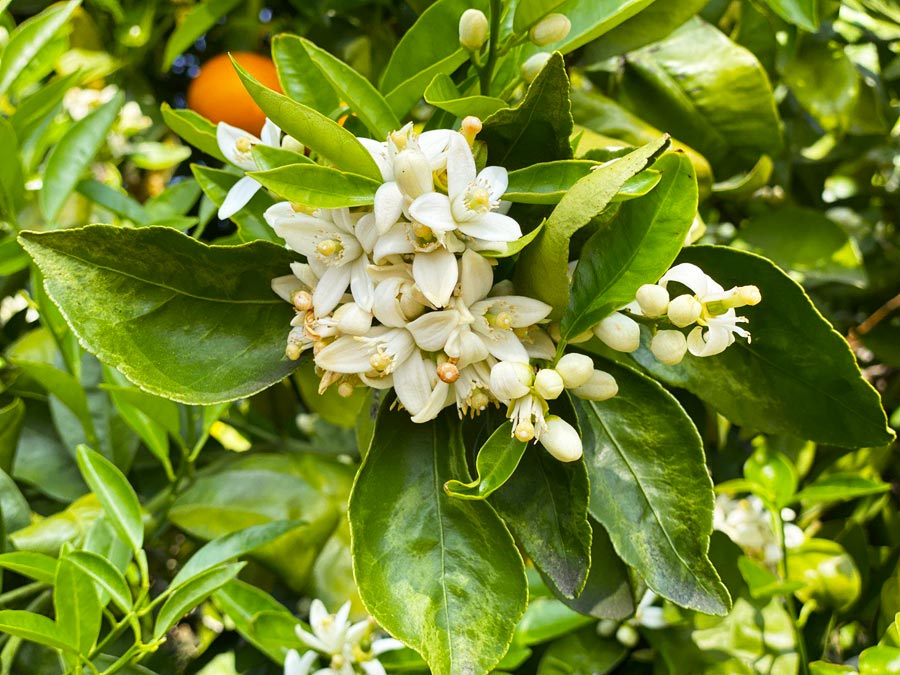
{"x": 366, "y": 232}
{"x": 373, "y": 667}
{"x": 440, "y": 398}
{"x": 433, "y": 210}
{"x": 386, "y": 307}
{"x": 497, "y": 178}
{"x": 386, "y": 645}
{"x": 475, "y": 277}
{"x": 379, "y": 152}
{"x": 305, "y": 274}
{"x": 238, "y": 196}
{"x": 710, "y": 341}
{"x": 436, "y": 274}
{"x": 492, "y": 226}
{"x": 294, "y": 664}
{"x": 271, "y": 134}
{"x": 330, "y": 289}
{"x": 433, "y": 143}
{"x": 504, "y": 345}
{"x": 432, "y": 330}
{"x": 345, "y": 355}
{"x": 227, "y": 137}
{"x": 340, "y": 619}
{"x": 393, "y": 242}
{"x": 388, "y": 206}
{"x": 693, "y": 277}
{"x": 318, "y": 614}
{"x": 412, "y": 382}
{"x": 361, "y": 285}
{"x": 460, "y": 166}
{"x": 285, "y": 286}
{"x": 525, "y": 311}
{"x": 466, "y": 346}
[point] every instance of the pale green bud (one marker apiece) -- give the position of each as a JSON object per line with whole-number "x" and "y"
{"x": 473, "y": 29}
{"x": 669, "y": 346}
{"x": 653, "y": 300}
{"x": 549, "y": 384}
{"x": 561, "y": 440}
{"x": 533, "y": 66}
{"x": 627, "y": 635}
{"x": 684, "y": 310}
{"x": 619, "y": 332}
{"x": 413, "y": 172}
{"x": 552, "y": 28}
{"x": 511, "y": 380}
{"x": 600, "y": 387}
{"x": 292, "y": 144}
{"x": 575, "y": 369}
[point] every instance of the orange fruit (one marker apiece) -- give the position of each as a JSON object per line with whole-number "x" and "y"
{"x": 218, "y": 95}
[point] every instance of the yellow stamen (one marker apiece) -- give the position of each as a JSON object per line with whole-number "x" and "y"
{"x": 345, "y": 390}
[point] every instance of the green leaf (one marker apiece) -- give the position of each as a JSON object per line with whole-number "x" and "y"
{"x": 73, "y": 153}
{"x": 142, "y": 419}
{"x": 29, "y": 38}
{"x": 803, "y": 13}
{"x": 115, "y": 495}
{"x": 772, "y": 476}
{"x": 77, "y": 606}
{"x": 634, "y": 248}
{"x": 267, "y": 157}
{"x": 110, "y": 581}
{"x": 191, "y": 25}
{"x": 312, "y": 128}
{"x": 582, "y": 653}
{"x": 538, "y": 129}
{"x": 329, "y": 405}
{"x": 64, "y": 387}
{"x": 443, "y": 93}
{"x": 12, "y": 183}
{"x": 37, "y": 566}
{"x": 15, "y": 513}
{"x": 529, "y": 12}
{"x": 546, "y": 182}
{"x": 318, "y": 186}
{"x": 497, "y": 460}
{"x": 546, "y": 619}
{"x": 193, "y": 128}
{"x": 725, "y": 108}
{"x": 231, "y": 546}
{"x": 31, "y": 111}
{"x": 12, "y": 419}
{"x": 428, "y": 48}
{"x": 35, "y": 628}
{"x": 243, "y": 603}
{"x": 420, "y": 563}
{"x": 514, "y": 247}
{"x": 542, "y": 271}
{"x": 797, "y": 377}
{"x": 840, "y": 487}
{"x": 251, "y": 225}
{"x": 354, "y": 90}
{"x": 190, "y": 594}
{"x": 829, "y": 575}
{"x": 154, "y": 156}
{"x": 119, "y": 202}
{"x": 299, "y": 77}
{"x": 762, "y": 583}
{"x": 744, "y": 185}
{"x": 879, "y": 660}
{"x": 637, "y": 445}
{"x": 162, "y": 311}
{"x": 545, "y": 505}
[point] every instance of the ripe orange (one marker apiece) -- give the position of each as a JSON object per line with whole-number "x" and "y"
{"x": 218, "y": 95}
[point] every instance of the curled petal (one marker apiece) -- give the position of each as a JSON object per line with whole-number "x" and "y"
{"x": 709, "y": 341}
{"x": 393, "y": 242}
{"x": 271, "y": 134}
{"x": 294, "y": 664}
{"x": 475, "y": 277}
{"x": 286, "y": 286}
{"x": 492, "y": 226}
{"x": 433, "y": 143}
{"x": 330, "y": 289}
{"x": 497, "y": 179}
{"x": 466, "y": 346}
{"x": 436, "y": 274}
{"x": 460, "y": 166}
{"x": 432, "y": 330}
{"x": 379, "y": 152}
{"x": 503, "y": 344}
{"x": 361, "y": 285}
{"x": 441, "y": 396}
{"x": 238, "y": 196}
{"x": 345, "y": 355}
{"x": 412, "y": 383}
{"x": 693, "y": 277}
{"x": 227, "y": 137}
{"x": 388, "y": 206}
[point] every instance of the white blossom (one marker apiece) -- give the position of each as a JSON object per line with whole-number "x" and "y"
{"x": 237, "y": 145}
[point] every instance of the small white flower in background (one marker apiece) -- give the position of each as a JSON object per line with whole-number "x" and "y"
{"x": 349, "y": 648}
{"x": 646, "y": 615}
{"x": 749, "y": 525}
{"x": 80, "y": 103}
{"x": 534, "y": 65}
{"x": 237, "y": 144}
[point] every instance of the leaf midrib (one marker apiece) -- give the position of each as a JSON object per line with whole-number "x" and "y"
{"x": 440, "y": 523}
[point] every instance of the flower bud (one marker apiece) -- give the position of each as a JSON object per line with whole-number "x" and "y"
{"x": 607, "y": 627}
{"x": 684, "y": 310}
{"x": 473, "y": 29}
{"x": 575, "y": 369}
{"x": 292, "y": 144}
{"x": 669, "y": 346}
{"x": 413, "y": 172}
{"x": 511, "y": 380}
{"x": 653, "y": 300}
{"x": 352, "y": 319}
{"x": 552, "y": 28}
{"x": 627, "y": 635}
{"x": 561, "y": 440}
{"x": 549, "y": 384}
{"x": 619, "y": 332}
{"x": 533, "y": 66}
{"x": 600, "y": 387}
{"x": 581, "y": 337}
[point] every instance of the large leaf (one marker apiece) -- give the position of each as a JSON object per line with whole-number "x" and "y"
{"x": 299, "y": 77}
{"x": 804, "y": 13}
{"x": 442, "y": 574}
{"x": 251, "y": 225}
{"x": 443, "y": 93}
{"x": 115, "y": 494}
{"x": 77, "y": 605}
{"x": 37, "y": 566}
{"x": 798, "y": 376}
{"x": 317, "y": 186}
{"x": 542, "y": 271}
{"x": 74, "y": 152}
{"x": 195, "y": 323}
{"x": 538, "y": 129}
{"x": 35, "y": 627}
{"x": 582, "y": 653}
{"x": 109, "y": 580}
{"x": 192, "y": 24}
{"x": 634, "y": 248}
{"x": 244, "y": 602}
{"x": 193, "y": 128}
{"x": 12, "y": 419}
{"x": 12, "y": 184}
{"x": 637, "y": 446}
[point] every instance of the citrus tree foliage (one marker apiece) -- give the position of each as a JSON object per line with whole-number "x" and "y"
{"x": 525, "y": 336}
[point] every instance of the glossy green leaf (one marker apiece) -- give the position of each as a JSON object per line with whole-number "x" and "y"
{"x": 542, "y": 271}
{"x": 267, "y": 157}
{"x": 744, "y": 185}
{"x": 67, "y": 526}
{"x": 108, "y": 578}
{"x": 429, "y": 47}
{"x": 64, "y": 387}
{"x": 638, "y": 185}
{"x": 29, "y": 38}
{"x": 119, "y": 202}
{"x": 879, "y": 660}
{"x": 637, "y": 445}
{"x": 529, "y": 12}
{"x": 823, "y": 668}
{"x": 32, "y": 110}
{"x": 797, "y": 377}
{"x": 150, "y": 431}
{"x": 162, "y": 312}
{"x": 312, "y": 128}
{"x": 102, "y": 539}
{"x": 443, "y": 93}
{"x": 299, "y": 77}
{"x": 37, "y": 566}
{"x": 243, "y": 603}
{"x": 193, "y": 128}
{"x": 317, "y": 186}
{"x": 538, "y": 129}
{"x": 12, "y": 183}
{"x": 420, "y": 563}
{"x": 840, "y": 487}
{"x": 355, "y": 91}
{"x": 190, "y": 594}
{"x": 830, "y": 576}
{"x": 192, "y": 24}
{"x": 34, "y": 627}
{"x": 582, "y": 653}
{"x": 251, "y": 225}
{"x": 78, "y": 611}
{"x": 497, "y": 460}
{"x": 634, "y": 248}
{"x": 545, "y": 505}
{"x": 803, "y": 13}
{"x": 772, "y": 476}
{"x": 15, "y": 513}
{"x": 115, "y": 494}
{"x": 514, "y": 247}
{"x": 763, "y": 584}
{"x": 546, "y": 619}
{"x": 546, "y": 182}
{"x": 73, "y": 153}
{"x": 12, "y": 419}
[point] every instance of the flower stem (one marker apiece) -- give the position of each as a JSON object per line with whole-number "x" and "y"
{"x": 789, "y": 598}
{"x": 487, "y": 73}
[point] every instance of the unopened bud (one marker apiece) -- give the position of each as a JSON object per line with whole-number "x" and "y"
{"x": 549, "y": 384}
{"x": 619, "y": 332}
{"x": 627, "y": 635}
{"x": 511, "y": 380}
{"x": 575, "y": 369}
{"x": 533, "y": 66}
{"x": 413, "y": 172}
{"x": 448, "y": 372}
{"x": 552, "y": 28}
{"x": 684, "y": 310}
{"x": 653, "y": 300}
{"x": 351, "y": 319}
{"x": 600, "y": 387}
{"x": 669, "y": 347}
{"x": 561, "y": 440}
{"x": 607, "y": 627}
{"x": 473, "y": 29}
{"x": 470, "y": 127}
{"x": 292, "y": 144}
